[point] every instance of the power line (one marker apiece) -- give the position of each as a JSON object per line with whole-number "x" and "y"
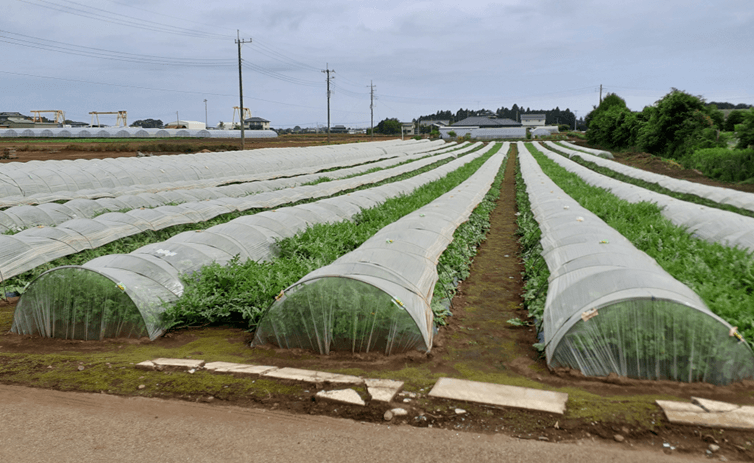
{"x": 99, "y": 53}
{"x": 99, "y": 14}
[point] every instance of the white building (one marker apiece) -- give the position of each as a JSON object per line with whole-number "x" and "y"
{"x": 533, "y": 120}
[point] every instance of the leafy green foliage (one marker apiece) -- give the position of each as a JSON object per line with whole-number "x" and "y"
{"x": 389, "y": 126}
{"x": 745, "y": 130}
{"x": 723, "y": 164}
{"x": 241, "y": 292}
{"x": 723, "y": 277}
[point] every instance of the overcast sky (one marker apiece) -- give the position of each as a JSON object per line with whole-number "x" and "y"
{"x": 156, "y": 58}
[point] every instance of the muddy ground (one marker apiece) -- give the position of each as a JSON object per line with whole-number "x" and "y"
{"x": 478, "y": 344}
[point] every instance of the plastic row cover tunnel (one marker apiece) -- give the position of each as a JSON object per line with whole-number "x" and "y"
{"x": 125, "y": 295}
{"x": 707, "y": 223}
{"x": 611, "y": 308}
{"x": 131, "y": 132}
{"x": 45, "y": 181}
{"x": 378, "y": 297}
{"x": 740, "y": 199}
{"x": 35, "y": 246}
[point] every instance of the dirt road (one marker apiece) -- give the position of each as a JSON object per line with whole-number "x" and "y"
{"x": 41, "y": 425}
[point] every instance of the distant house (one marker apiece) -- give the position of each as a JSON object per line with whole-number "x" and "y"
{"x": 14, "y": 120}
{"x": 484, "y": 122}
{"x": 193, "y": 125}
{"x": 408, "y": 128}
{"x": 257, "y": 123}
{"x": 433, "y": 123}
{"x": 338, "y": 129}
{"x": 533, "y": 120}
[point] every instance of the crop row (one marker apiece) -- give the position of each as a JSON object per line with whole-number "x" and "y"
{"x": 150, "y": 277}
{"x": 635, "y": 324}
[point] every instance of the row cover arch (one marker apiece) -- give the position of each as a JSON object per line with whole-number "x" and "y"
{"x": 126, "y": 294}
{"x": 739, "y": 199}
{"x": 35, "y": 246}
{"x": 611, "y": 308}
{"x": 18, "y": 218}
{"x": 130, "y": 132}
{"x": 378, "y": 297}
{"x": 45, "y": 181}
{"x": 708, "y": 223}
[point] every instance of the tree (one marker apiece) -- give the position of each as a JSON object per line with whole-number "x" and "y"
{"x": 390, "y": 126}
{"x": 734, "y": 118}
{"x": 676, "y": 125}
{"x": 148, "y": 124}
{"x": 745, "y": 130}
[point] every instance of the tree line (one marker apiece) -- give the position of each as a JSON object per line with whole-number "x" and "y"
{"x": 681, "y": 127}
{"x": 552, "y": 116}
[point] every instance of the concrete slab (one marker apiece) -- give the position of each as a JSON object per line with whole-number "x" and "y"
{"x": 177, "y": 364}
{"x": 500, "y": 395}
{"x": 343, "y": 396}
{"x": 714, "y": 406}
{"x": 221, "y": 367}
{"x": 251, "y": 370}
{"x": 145, "y": 365}
{"x": 383, "y": 390}
{"x": 316, "y": 377}
{"x": 740, "y": 417}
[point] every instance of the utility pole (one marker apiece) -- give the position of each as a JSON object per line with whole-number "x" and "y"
{"x": 371, "y": 104}
{"x": 600, "y": 93}
{"x": 240, "y": 83}
{"x": 205, "y": 113}
{"x": 327, "y": 71}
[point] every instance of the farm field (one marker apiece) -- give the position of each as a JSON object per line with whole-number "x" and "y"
{"x": 478, "y": 344}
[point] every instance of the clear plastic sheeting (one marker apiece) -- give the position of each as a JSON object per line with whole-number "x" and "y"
{"x": 478, "y": 133}
{"x": 378, "y": 297}
{"x": 151, "y": 275}
{"x": 595, "y": 152}
{"x": 545, "y": 131}
{"x": 739, "y": 199}
{"x": 32, "y": 246}
{"x": 611, "y": 308}
{"x": 47, "y": 181}
{"x": 707, "y": 223}
{"x": 132, "y": 132}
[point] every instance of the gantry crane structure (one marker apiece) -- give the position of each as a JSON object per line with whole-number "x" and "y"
{"x": 122, "y": 117}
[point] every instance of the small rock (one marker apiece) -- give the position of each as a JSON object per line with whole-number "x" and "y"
{"x": 713, "y": 448}
{"x": 557, "y": 426}
{"x": 81, "y": 368}
{"x": 722, "y": 458}
{"x": 388, "y": 415}
{"x": 192, "y": 371}
{"x": 709, "y": 438}
{"x": 406, "y": 400}
{"x": 49, "y": 366}
{"x": 544, "y": 438}
{"x": 619, "y": 438}
{"x": 399, "y": 412}
{"x": 142, "y": 386}
{"x": 460, "y": 411}
{"x": 625, "y": 430}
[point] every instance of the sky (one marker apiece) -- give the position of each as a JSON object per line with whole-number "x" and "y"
{"x": 169, "y": 59}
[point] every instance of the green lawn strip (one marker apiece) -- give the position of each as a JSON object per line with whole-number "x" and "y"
{"x": 131, "y": 243}
{"x": 653, "y": 186}
{"x": 240, "y": 292}
{"x": 723, "y": 277}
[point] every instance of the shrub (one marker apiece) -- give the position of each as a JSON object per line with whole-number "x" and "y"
{"x": 745, "y": 130}
{"x": 452, "y": 134}
{"x": 723, "y": 164}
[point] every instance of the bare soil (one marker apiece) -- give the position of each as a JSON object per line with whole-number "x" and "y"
{"x": 477, "y": 344}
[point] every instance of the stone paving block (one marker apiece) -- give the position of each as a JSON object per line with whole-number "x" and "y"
{"x": 500, "y": 395}
{"x": 714, "y": 406}
{"x": 712, "y": 414}
{"x": 251, "y": 370}
{"x": 317, "y": 377}
{"x": 383, "y": 390}
{"x": 145, "y": 365}
{"x": 221, "y": 367}
{"x": 343, "y": 396}
{"x": 177, "y": 364}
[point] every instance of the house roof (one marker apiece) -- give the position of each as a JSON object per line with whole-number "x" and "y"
{"x": 255, "y": 119}
{"x": 532, "y": 116}
{"x": 479, "y": 121}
